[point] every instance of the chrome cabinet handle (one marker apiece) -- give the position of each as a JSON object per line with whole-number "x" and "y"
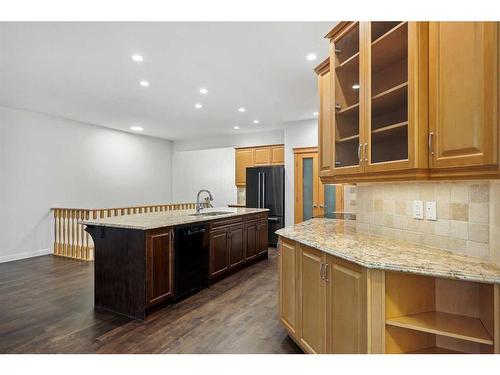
{"x": 364, "y": 152}
{"x": 321, "y": 271}
{"x": 431, "y": 135}
{"x": 321, "y": 206}
{"x": 326, "y": 272}
{"x": 359, "y": 153}
{"x": 315, "y": 205}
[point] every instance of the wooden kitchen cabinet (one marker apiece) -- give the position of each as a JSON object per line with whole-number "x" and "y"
{"x": 463, "y": 94}
{"x": 236, "y": 246}
{"x": 256, "y": 156}
{"x": 262, "y": 156}
{"x": 244, "y": 158}
{"x": 219, "y": 252}
{"x": 262, "y": 237}
{"x": 288, "y": 286}
{"x": 159, "y": 266}
{"x": 251, "y": 239}
{"x": 312, "y": 300}
{"x": 409, "y": 100}
{"x": 277, "y": 155}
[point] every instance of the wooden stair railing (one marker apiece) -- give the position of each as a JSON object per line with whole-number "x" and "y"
{"x": 72, "y": 241}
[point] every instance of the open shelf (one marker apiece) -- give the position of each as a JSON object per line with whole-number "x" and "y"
{"x": 435, "y": 350}
{"x": 425, "y": 314}
{"x": 445, "y": 324}
{"x": 390, "y": 128}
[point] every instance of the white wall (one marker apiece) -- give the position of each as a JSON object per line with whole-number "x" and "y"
{"x": 211, "y": 169}
{"x": 51, "y": 162}
{"x": 297, "y": 134}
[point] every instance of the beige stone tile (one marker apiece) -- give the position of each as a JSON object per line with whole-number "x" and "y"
{"x": 427, "y": 227}
{"x": 478, "y": 250}
{"x": 441, "y": 242}
{"x": 389, "y": 232}
{"x": 388, "y": 220}
{"x": 362, "y": 227}
{"x": 479, "y": 233}
{"x": 459, "y": 193}
{"x": 376, "y": 229}
{"x": 459, "y": 211}
{"x": 459, "y": 229}
{"x": 457, "y": 245}
{"x": 389, "y": 205}
{"x": 495, "y": 214}
{"x": 414, "y": 225}
{"x": 400, "y": 222}
{"x": 442, "y": 227}
{"x": 400, "y": 208}
{"x": 443, "y": 210}
{"x": 479, "y": 213}
{"x": 411, "y": 236}
{"x": 378, "y": 205}
{"x": 427, "y": 191}
{"x": 378, "y": 218}
{"x": 479, "y": 193}
{"x": 443, "y": 192}
{"x": 410, "y": 191}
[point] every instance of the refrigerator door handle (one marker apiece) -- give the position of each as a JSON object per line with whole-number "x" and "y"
{"x": 273, "y": 219}
{"x": 263, "y": 189}
{"x": 258, "y": 193}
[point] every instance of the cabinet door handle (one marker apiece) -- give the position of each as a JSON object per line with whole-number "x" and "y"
{"x": 321, "y": 206}
{"x": 364, "y": 152}
{"x": 359, "y": 153}
{"x": 321, "y": 271}
{"x": 431, "y": 135}
{"x": 326, "y": 272}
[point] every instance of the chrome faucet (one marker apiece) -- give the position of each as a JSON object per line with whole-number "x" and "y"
{"x": 199, "y": 205}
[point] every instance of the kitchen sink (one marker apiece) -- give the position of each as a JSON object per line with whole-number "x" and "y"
{"x": 212, "y": 213}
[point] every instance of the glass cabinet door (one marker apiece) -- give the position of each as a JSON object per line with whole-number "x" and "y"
{"x": 346, "y": 88}
{"x": 308, "y": 199}
{"x": 388, "y": 102}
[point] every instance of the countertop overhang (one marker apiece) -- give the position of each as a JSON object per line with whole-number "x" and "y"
{"x": 340, "y": 238}
{"x": 154, "y": 220}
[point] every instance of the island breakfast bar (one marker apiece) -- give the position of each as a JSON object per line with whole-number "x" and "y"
{"x": 146, "y": 260}
{"x": 346, "y": 292}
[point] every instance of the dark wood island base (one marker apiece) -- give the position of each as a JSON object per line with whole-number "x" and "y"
{"x": 134, "y": 268}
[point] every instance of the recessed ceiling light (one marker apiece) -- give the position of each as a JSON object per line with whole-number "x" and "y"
{"x": 144, "y": 83}
{"x": 241, "y": 109}
{"x": 137, "y": 128}
{"x": 198, "y": 105}
{"x": 355, "y": 87}
{"x": 256, "y": 121}
{"x": 137, "y": 58}
{"x": 236, "y": 127}
{"x": 311, "y": 57}
{"x": 315, "y": 114}
{"x": 203, "y": 91}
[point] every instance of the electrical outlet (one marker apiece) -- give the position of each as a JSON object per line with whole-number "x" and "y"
{"x": 418, "y": 210}
{"x": 430, "y": 210}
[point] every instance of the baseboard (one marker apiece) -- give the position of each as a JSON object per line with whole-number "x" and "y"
{"x": 30, "y": 254}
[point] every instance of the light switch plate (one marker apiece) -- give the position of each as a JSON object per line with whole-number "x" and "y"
{"x": 418, "y": 210}
{"x": 430, "y": 210}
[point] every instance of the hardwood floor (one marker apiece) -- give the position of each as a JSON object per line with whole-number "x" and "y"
{"x": 46, "y": 306}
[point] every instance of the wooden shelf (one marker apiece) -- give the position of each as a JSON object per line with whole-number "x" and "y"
{"x": 350, "y": 63}
{"x": 380, "y": 28}
{"x": 347, "y": 139}
{"x": 390, "y": 47}
{"x": 390, "y": 127}
{"x": 445, "y": 324}
{"x": 392, "y": 99}
{"x": 435, "y": 350}
{"x": 347, "y": 109}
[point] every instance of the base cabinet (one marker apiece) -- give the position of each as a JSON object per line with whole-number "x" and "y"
{"x": 159, "y": 248}
{"x": 330, "y": 305}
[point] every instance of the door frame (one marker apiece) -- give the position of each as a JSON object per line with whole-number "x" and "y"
{"x": 299, "y": 153}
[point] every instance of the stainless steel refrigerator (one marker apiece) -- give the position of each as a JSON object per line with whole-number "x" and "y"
{"x": 265, "y": 188}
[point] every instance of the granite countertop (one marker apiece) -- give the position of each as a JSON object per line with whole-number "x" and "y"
{"x": 155, "y": 220}
{"x": 340, "y": 238}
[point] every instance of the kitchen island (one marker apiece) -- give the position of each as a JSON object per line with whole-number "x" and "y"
{"x": 135, "y": 255}
{"x": 347, "y": 292}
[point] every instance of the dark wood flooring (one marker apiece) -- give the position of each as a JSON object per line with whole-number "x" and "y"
{"x": 46, "y": 306}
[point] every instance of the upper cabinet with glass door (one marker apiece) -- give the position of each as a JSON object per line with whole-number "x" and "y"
{"x": 345, "y": 57}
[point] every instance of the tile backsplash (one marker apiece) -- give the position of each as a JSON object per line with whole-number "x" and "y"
{"x": 468, "y": 214}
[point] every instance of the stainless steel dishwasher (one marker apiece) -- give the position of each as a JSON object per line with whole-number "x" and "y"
{"x": 191, "y": 259}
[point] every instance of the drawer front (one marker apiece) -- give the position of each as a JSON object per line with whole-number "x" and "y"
{"x": 225, "y": 222}
{"x": 257, "y": 216}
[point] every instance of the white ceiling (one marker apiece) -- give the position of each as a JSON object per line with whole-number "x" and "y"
{"x": 84, "y": 72}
